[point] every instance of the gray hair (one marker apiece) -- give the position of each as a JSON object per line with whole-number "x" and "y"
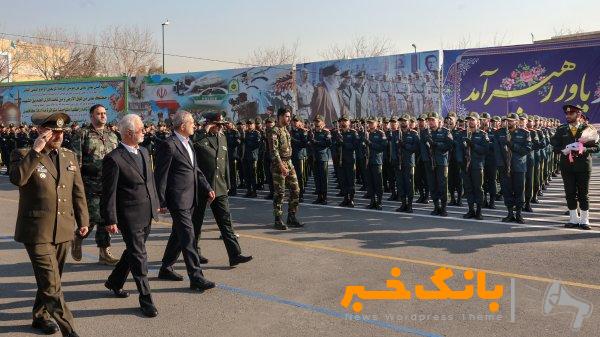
{"x": 179, "y": 118}
{"x": 128, "y": 122}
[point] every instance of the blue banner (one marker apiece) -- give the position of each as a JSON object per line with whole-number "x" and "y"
{"x": 19, "y": 101}
{"x": 534, "y": 79}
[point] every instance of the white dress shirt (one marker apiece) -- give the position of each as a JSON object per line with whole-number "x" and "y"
{"x": 186, "y": 143}
{"x": 131, "y": 149}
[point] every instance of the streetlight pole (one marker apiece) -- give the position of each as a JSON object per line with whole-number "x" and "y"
{"x": 414, "y": 46}
{"x": 163, "y": 44}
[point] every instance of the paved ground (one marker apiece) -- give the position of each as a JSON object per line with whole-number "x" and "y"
{"x": 297, "y": 280}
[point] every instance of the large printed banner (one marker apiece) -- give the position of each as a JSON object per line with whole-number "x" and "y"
{"x": 19, "y": 101}
{"x": 375, "y": 86}
{"x": 242, "y": 93}
{"x": 532, "y": 79}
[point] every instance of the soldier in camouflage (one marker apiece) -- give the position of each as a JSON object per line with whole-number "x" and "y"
{"x": 284, "y": 174}
{"x": 91, "y": 144}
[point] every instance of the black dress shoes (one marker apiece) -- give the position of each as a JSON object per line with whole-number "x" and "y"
{"x": 72, "y": 334}
{"x": 120, "y": 293}
{"x": 201, "y": 284}
{"x": 203, "y": 260}
{"x": 45, "y": 326}
{"x": 149, "y": 310}
{"x": 170, "y": 275}
{"x": 239, "y": 259}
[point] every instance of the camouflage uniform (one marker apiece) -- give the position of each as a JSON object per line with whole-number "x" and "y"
{"x": 280, "y": 149}
{"x": 91, "y": 146}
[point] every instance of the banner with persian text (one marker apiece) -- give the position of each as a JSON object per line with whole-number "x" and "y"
{"x": 534, "y": 79}
{"x": 18, "y": 101}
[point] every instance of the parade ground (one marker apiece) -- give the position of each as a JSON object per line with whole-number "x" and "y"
{"x": 294, "y": 286}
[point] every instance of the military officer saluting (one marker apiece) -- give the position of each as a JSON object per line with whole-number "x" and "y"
{"x": 575, "y": 142}
{"x": 213, "y": 160}
{"x": 51, "y": 202}
{"x": 515, "y": 146}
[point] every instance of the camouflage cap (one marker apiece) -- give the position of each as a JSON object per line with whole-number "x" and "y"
{"x": 497, "y": 119}
{"x": 523, "y": 116}
{"x": 405, "y": 117}
{"x": 344, "y": 118}
{"x": 393, "y": 119}
{"x": 473, "y": 115}
{"x": 433, "y": 115}
{"x": 512, "y": 116}
{"x": 249, "y": 121}
{"x": 318, "y": 118}
{"x": 485, "y": 115}
{"x": 296, "y": 118}
{"x": 372, "y": 119}
{"x": 422, "y": 117}
{"x": 384, "y": 120}
{"x": 270, "y": 120}
{"x": 258, "y": 120}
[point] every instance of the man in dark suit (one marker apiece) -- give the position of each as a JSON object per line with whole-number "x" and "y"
{"x": 211, "y": 154}
{"x": 51, "y": 201}
{"x": 179, "y": 182}
{"x": 129, "y": 202}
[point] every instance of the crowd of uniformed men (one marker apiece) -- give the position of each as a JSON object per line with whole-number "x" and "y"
{"x": 478, "y": 158}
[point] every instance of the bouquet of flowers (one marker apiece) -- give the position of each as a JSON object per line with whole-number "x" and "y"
{"x": 589, "y": 135}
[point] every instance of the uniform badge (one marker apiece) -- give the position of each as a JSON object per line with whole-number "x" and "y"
{"x": 224, "y": 147}
{"x": 43, "y": 175}
{"x": 40, "y": 168}
{"x": 60, "y": 122}
{"x": 72, "y": 168}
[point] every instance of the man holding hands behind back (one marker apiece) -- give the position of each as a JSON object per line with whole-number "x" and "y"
{"x": 129, "y": 203}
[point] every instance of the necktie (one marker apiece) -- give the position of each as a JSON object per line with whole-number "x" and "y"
{"x": 54, "y": 157}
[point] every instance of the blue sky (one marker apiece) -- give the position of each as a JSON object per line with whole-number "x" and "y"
{"x": 230, "y": 30}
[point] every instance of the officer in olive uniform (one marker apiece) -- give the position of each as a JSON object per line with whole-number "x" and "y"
{"x": 212, "y": 156}
{"x": 575, "y": 168}
{"x": 233, "y": 142}
{"x": 440, "y": 141}
{"x": 252, "y": 141}
{"x": 284, "y": 174}
{"x": 299, "y": 137}
{"x": 349, "y": 140}
{"x": 473, "y": 148}
{"x": 408, "y": 146}
{"x": 321, "y": 143}
{"x": 51, "y": 203}
{"x": 377, "y": 144}
{"x": 91, "y": 144}
{"x": 515, "y": 146}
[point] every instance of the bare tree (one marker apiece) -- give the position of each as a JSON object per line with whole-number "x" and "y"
{"x": 12, "y": 56}
{"x": 55, "y": 54}
{"x": 359, "y": 47}
{"x": 274, "y": 56}
{"x": 467, "y": 42}
{"x": 127, "y": 51}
